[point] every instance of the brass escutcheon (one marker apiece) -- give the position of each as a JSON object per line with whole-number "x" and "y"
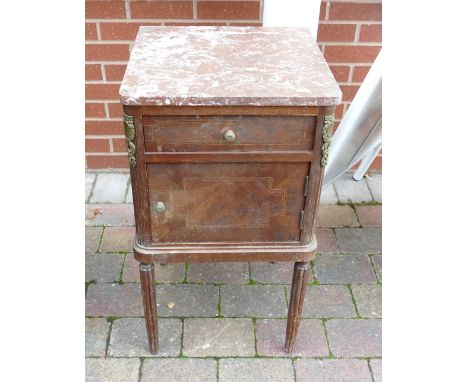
{"x": 229, "y": 135}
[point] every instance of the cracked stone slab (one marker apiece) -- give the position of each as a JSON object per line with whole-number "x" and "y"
{"x": 117, "y": 239}
{"x": 129, "y": 197}
{"x": 219, "y": 273}
{"x": 375, "y": 185}
{"x": 129, "y": 338}
{"x": 92, "y": 238}
{"x": 350, "y": 190}
{"x": 377, "y": 263}
{"x": 218, "y": 337}
{"x": 326, "y": 241}
{"x": 179, "y": 370}
{"x": 310, "y": 342}
{"x": 344, "y": 269}
{"x": 103, "y": 267}
{"x": 112, "y": 369}
{"x": 368, "y": 300}
{"x": 332, "y": 370}
{"x": 251, "y": 369}
{"x": 355, "y": 338}
{"x": 369, "y": 216}
{"x": 89, "y": 182}
{"x": 266, "y": 301}
{"x": 110, "y": 215}
{"x": 96, "y": 331}
{"x": 359, "y": 240}
{"x": 110, "y": 188}
{"x": 189, "y": 300}
{"x": 114, "y": 300}
{"x": 376, "y": 367}
{"x": 171, "y": 273}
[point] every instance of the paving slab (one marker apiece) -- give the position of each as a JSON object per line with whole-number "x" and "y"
{"x": 112, "y": 369}
{"x": 325, "y": 301}
{"x": 344, "y": 269}
{"x": 114, "y": 300}
{"x": 375, "y": 185}
{"x": 368, "y": 300}
{"x": 89, "y": 182}
{"x": 179, "y": 370}
{"x": 129, "y": 339}
{"x": 350, "y": 190}
{"x": 333, "y": 215}
{"x": 249, "y": 370}
{"x": 171, "y": 273}
{"x": 332, "y": 370}
{"x": 328, "y": 195}
{"x": 369, "y": 216}
{"x": 310, "y": 342}
{"x": 110, "y": 215}
{"x": 96, "y": 332}
{"x": 355, "y": 338}
{"x": 218, "y": 337}
{"x": 129, "y": 197}
{"x": 265, "y": 301}
{"x": 376, "y": 367}
{"x": 92, "y": 238}
{"x": 326, "y": 241}
{"x": 219, "y": 273}
{"x": 187, "y": 300}
{"x": 110, "y": 188}
{"x": 103, "y": 267}
{"x": 117, "y": 239}
{"x": 377, "y": 263}
{"x": 272, "y": 273}
{"x": 359, "y": 240}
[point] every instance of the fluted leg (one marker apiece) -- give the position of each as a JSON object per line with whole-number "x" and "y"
{"x": 296, "y": 301}
{"x": 148, "y": 292}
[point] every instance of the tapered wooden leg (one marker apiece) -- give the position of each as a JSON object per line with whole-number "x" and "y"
{"x": 296, "y": 301}
{"x": 148, "y": 291}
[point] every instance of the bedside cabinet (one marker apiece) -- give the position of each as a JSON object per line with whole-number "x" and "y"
{"x": 227, "y": 130}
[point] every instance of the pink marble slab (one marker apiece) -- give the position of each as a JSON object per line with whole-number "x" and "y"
{"x": 236, "y": 66}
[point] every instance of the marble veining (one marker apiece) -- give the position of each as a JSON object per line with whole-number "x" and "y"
{"x": 236, "y": 66}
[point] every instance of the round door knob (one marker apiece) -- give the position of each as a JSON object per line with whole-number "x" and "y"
{"x": 160, "y": 207}
{"x": 229, "y": 135}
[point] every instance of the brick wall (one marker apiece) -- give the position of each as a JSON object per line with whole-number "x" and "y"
{"x": 350, "y": 36}
{"x": 349, "y": 33}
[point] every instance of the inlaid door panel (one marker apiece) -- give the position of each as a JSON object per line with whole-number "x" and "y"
{"x": 207, "y": 133}
{"x": 226, "y": 202}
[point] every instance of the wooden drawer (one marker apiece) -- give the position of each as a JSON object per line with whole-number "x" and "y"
{"x": 207, "y": 133}
{"x": 226, "y": 202}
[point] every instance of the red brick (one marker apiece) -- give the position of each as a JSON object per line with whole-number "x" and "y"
{"x": 93, "y": 72}
{"x": 195, "y": 23}
{"x": 119, "y": 144}
{"x": 336, "y": 32}
{"x": 355, "y": 11}
{"x": 371, "y": 33}
{"x": 107, "y": 161}
{"x": 341, "y": 72}
{"x": 121, "y": 31}
{"x": 97, "y": 145}
{"x": 104, "y": 128}
{"x": 94, "y": 110}
{"x": 90, "y": 31}
{"x": 107, "y": 52}
{"x": 347, "y": 53}
{"x": 225, "y": 10}
{"x": 115, "y": 72}
{"x": 102, "y": 91}
{"x": 376, "y": 165}
{"x": 323, "y": 10}
{"x": 161, "y": 9}
{"x": 360, "y": 72}
{"x": 105, "y": 9}
{"x": 115, "y": 110}
{"x": 246, "y": 24}
{"x": 339, "y": 111}
{"x": 349, "y": 91}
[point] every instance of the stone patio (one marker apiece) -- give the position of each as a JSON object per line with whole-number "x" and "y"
{"x": 226, "y": 321}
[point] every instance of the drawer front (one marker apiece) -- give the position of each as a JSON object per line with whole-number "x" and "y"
{"x": 226, "y": 202}
{"x": 209, "y": 133}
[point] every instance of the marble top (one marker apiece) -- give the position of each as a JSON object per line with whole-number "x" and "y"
{"x": 236, "y": 66}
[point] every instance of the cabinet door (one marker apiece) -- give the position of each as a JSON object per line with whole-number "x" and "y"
{"x": 226, "y": 202}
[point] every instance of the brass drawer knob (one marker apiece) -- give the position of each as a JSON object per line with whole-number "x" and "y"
{"x": 160, "y": 207}
{"x": 229, "y": 135}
